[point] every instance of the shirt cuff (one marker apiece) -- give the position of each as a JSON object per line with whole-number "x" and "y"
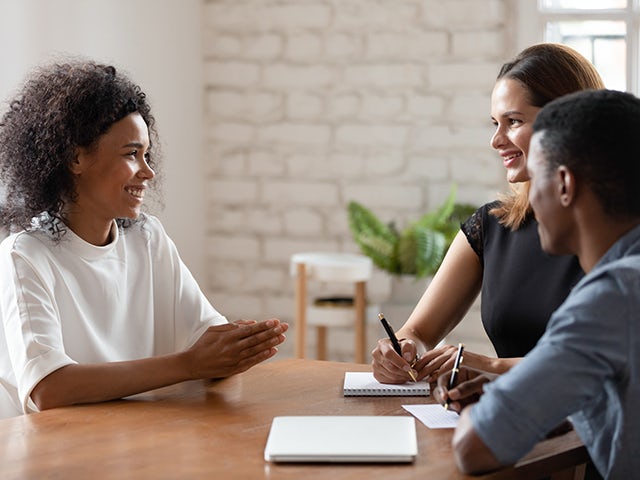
{"x": 35, "y": 370}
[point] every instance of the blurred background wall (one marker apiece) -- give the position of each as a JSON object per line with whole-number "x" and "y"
{"x": 273, "y": 114}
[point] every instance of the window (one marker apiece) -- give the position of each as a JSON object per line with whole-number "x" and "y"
{"x": 607, "y": 32}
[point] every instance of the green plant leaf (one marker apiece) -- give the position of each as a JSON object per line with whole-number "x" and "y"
{"x": 420, "y": 248}
{"x": 376, "y": 239}
{"x": 381, "y": 252}
{"x": 431, "y": 246}
{"x": 406, "y": 252}
{"x": 439, "y": 218}
{"x": 461, "y": 212}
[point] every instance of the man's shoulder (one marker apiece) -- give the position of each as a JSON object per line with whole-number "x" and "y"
{"x": 624, "y": 270}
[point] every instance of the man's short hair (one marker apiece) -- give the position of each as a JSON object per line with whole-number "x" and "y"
{"x": 596, "y": 134}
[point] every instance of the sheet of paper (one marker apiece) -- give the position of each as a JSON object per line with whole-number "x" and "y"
{"x": 433, "y": 415}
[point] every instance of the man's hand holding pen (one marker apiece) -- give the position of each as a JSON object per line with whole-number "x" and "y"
{"x": 468, "y": 387}
{"x": 453, "y": 380}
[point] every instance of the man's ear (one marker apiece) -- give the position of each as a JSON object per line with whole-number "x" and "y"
{"x": 567, "y": 185}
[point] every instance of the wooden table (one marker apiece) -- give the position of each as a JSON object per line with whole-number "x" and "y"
{"x": 218, "y": 430}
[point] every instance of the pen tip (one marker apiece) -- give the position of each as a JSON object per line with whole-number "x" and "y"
{"x": 380, "y": 316}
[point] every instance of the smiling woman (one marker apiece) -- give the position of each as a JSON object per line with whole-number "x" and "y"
{"x": 497, "y": 251}
{"x": 513, "y": 116}
{"x": 111, "y": 179}
{"x": 95, "y": 301}
{"x": 74, "y": 106}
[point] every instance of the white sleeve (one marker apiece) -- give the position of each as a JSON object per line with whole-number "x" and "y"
{"x": 178, "y": 291}
{"x": 31, "y": 326}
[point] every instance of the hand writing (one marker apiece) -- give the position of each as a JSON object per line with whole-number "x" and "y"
{"x": 467, "y": 391}
{"x": 388, "y": 366}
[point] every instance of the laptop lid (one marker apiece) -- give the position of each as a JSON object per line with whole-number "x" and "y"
{"x": 342, "y": 439}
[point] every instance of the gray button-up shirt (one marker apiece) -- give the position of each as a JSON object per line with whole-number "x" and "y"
{"x": 585, "y": 367}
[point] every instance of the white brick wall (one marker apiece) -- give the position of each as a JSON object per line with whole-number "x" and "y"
{"x": 312, "y": 103}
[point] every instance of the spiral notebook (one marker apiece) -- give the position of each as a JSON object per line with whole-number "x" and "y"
{"x": 363, "y": 384}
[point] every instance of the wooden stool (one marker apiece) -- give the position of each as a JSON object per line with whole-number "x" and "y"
{"x": 330, "y": 267}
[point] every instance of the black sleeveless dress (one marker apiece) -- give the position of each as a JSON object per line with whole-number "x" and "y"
{"x": 521, "y": 284}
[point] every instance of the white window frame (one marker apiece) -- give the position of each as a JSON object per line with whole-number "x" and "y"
{"x": 531, "y": 20}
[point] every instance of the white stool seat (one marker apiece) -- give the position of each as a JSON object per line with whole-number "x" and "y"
{"x": 334, "y": 267}
{"x": 330, "y": 267}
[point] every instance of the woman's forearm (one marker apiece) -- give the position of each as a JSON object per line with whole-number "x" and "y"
{"x": 74, "y": 384}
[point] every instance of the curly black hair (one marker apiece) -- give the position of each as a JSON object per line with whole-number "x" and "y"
{"x": 61, "y": 107}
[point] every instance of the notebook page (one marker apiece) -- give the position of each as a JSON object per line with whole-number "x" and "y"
{"x": 360, "y": 384}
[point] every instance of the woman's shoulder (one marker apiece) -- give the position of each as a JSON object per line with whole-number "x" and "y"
{"x": 149, "y": 231}
{"x": 152, "y": 222}
{"x": 146, "y": 225}
{"x": 486, "y": 210}
{"x": 34, "y": 247}
{"x": 24, "y": 241}
{"x": 481, "y": 217}
{"x": 490, "y": 205}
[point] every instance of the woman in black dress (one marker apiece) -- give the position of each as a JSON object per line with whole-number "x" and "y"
{"x": 497, "y": 252}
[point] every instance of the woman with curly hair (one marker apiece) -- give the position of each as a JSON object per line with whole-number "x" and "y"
{"x": 95, "y": 301}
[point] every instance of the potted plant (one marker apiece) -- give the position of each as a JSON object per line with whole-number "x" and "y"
{"x": 408, "y": 254}
{"x": 418, "y": 248}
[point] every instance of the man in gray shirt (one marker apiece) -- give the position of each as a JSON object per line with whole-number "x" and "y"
{"x": 584, "y": 164}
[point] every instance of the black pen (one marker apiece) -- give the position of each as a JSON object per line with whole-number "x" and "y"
{"x": 454, "y": 372}
{"x": 394, "y": 341}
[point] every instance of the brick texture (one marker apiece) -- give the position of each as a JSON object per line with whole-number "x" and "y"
{"x": 312, "y": 103}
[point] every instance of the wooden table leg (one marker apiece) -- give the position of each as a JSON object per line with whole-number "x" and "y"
{"x": 321, "y": 342}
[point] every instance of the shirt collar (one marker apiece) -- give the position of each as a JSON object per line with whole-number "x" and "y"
{"x": 87, "y": 250}
{"x": 628, "y": 244}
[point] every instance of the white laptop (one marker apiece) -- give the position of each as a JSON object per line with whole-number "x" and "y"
{"x": 342, "y": 439}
